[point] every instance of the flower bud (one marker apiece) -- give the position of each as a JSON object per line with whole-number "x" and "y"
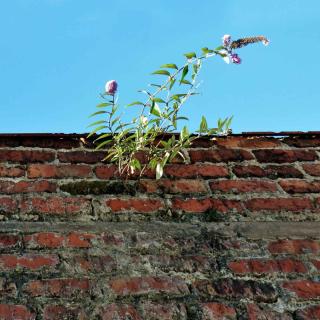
{"x": 111, "y": 87}
{"x": 226, "y": 40}
{"x": 235, "y": 58}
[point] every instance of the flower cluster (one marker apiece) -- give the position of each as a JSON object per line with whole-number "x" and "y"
{"x": 229, "y": 46}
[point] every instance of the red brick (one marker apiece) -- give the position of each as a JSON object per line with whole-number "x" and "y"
{"x": 8, "y": 205}
{"x": 226, "y": 206}
{"x": 248, "y": 142}
{"x": 26, "y": 156}
{"x": 61, "y": 171}
{"x": 59, "y": 312}
{"x": 243, "y": 186}
{"x": 28, "y": 261}
{"x": 106, "y": 172}
{"x": 137, "y": 286}
{"x": 169, "y": 311}
{"x": 302, "y": 142}
{"x": 270, "y": 171}
{"x": 300, "y": 186}
{"x": 221, "y": 155}
{"x": 27, "y": 186}
{"x": 313, "y": 169}
{"x": 15, "y": 312}
{"x": 119, "y": 312}
{"x": 80, "y": 240}
{"x": 316, "y": 263}
{"x": 305, "y": 289}
{"x": 64, "y": 288}
{"x": 81, "y": 156}
{"x": 236, "y": 288}
{"x": 192, "y": 205}
{"x": 279, "y": 204}
{"x": 9, "y": 240}
{"x": 218, "y": 311}
{"x": 267, "y": 266}
{"x": 135, "y": 204}
{"x": 113, "y": 239}
{"x": 13, "y": 172}
{"x": 294, "y": 246}
{"x": 258, "y": 313}
{"x": 308, "y": 313}
{"x": 283, "y": 156}
{"x": 172, "y": 186}
{"x": 57, "y": 205}
{"x": 94, "y": 263}
{"x": 44, "y": 240}
{"x": 194, "y": 171}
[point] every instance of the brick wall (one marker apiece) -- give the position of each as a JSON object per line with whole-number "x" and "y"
{"x": 233, "y": 234}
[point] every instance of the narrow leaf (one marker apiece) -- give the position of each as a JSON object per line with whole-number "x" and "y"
{"x": 159, "y": 171}
{"x": 169, "y": 65}
{"x": 184, "y": 73}
{"x": 190, "y": 55}
{"x": 95, "y": 130}
{"x": 155, "y": 110}
{"x": 105, "y": 104}
{"x": 94, "y": 123}
{"x": 135, "y": 103}
{"x": 98, "y": 112}
{"x": 162, "y": 72}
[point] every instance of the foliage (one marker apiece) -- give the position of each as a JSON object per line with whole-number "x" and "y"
{"x": 149, "y": 140}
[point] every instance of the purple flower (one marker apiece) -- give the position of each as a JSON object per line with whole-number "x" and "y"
{"x": 235, "y": 58}
{"x": 111, "y": 87}
{"x": 226, "y": 39}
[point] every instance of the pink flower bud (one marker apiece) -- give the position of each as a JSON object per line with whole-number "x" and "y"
{"x": 226, "y": 39}
{"x": 235, "y": 58}
{"x": 111, "y": 87}
{"x": 266, "y": 42}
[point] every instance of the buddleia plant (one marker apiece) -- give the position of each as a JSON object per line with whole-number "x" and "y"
{"x": 149, "y": 140}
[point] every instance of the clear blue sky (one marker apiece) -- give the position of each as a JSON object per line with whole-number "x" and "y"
{"x": 56, "y": 55}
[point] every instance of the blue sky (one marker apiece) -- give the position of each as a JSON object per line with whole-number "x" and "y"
{"x": 56, "y": 55}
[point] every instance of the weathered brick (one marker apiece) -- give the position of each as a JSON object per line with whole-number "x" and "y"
{"x": 64, "y": 288}
{"x": 28, "y": 261}
{"x": 81, "y": 156}
{"x": 172, "y": 186}
{"x": 15, "y": 312}
{"x": 8, "y": 205}
{"x": 308, "y": 313}
{"x": 248, "y": 142}
{"x": 26, "y": 156}
{"x": 8, "y": 289}
{"x": 267, "y": 266}
{"x": 312, "y": 168}
{"x": 9, "y": 187}
{"x": 220, "y": 155}
{"x": 316, "y": 264}
{"x": 269, "y": 171}
{"x": 304, "y": 289}
{"x": 218, "y": 311}
{"x": 56, "y": 205}
{"x": 279, "y": 204}
{"x": 256, "y": 312}
{"x": 9, "y": 240}
{"x": 93, "y": 264}
{"x": 119, "y": 312}
{"x": 283, "y": 156}
{"x": 13, "y": 172}
{"x": 226, "y": 206}
{"x": 300, "y": 186}
{"x": 135, "y": 204}
{"x": 168, "y": 311}
{"x": 194, "y": 171}
{"x": 238, "y": 289}
{"x": 44, "y": 240}
{"x": 58, "y": 171}
{"x": 60, "y": 312}
{"x": 137, "y": 286}
{"x": 241, "y": 186}
{"x": 79, "y": 240}
{"x": 302, "y": 142}
{"x": 297, "y": 246}
{"x": 106, "y": 172}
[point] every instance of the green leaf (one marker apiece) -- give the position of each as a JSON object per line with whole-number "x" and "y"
{"x": 136, "y": 103}
{"x": 155, "y": 85}
{"x": 162, "y": 72}
{"x": 206, "y": 50}
{"x": 172, "y": 82}
{"x": 105, "y": 104}
{"x": 184, "y": 134}
{"x": 135, "y": 163}
{"x": 190, "y": 55}
{"x": 184, "y": 73}
{"x": 102, "y": 144}
{"x": 219, "y": 48}
{"x": 98, "y": 112}
{"x": 159, "y": 100}
{"x": 95, "y": 130}
{"x": 105, "y": 135}
{"x": 186, "y": 82}
{"x": 94, "y": 123}
{"x": 155, "y": 110}
{"x": 159, "y": 171}
{"x": 169, "y": 65}
{"x": 203, "y": 125}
